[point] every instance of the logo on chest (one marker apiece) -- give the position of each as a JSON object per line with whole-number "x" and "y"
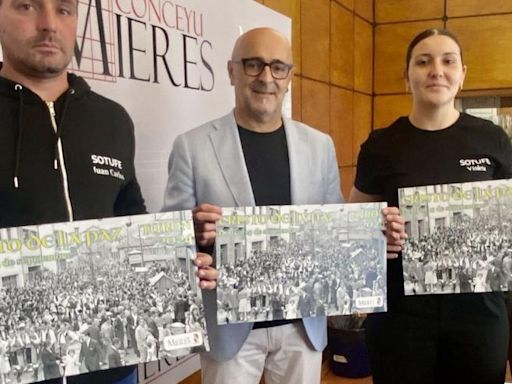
{"x": 476, "y": 165}
{"x": 107, "y": 166}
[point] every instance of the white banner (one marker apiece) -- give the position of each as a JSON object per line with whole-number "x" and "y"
{"x": 167, "y": 371}
{"x": 165, "y": 62}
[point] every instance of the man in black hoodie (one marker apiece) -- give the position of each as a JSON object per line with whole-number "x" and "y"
{"x": 66, "y": 153}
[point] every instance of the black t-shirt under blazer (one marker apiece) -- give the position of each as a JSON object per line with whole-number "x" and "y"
{"x": 268, "y": 164}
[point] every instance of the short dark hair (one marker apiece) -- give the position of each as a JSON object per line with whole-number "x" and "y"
{"x": 425, "y": 34}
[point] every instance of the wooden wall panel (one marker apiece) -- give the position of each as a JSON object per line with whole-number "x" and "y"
{"x": 487, "y": 44}
{"x": 193, "y": 379}
{"x": 342, "y": 46}
{"x": 342, "y": 124}
{"x": 332, "y": 88}
{"x": 364, "y": 8}
{"x": 315, "y": 33}
{"x": 296, "y": 98}
{"x": 315, "y": 104}
{"x": 391, "y": 41}
{"x": 347, "y": 175}
{"x": 347, "y": 3}
{"x": 362, "y": 122}
{"x": 387, "y": 109}
{"x": 477, "y": 7}
{"x": 363, "y": 55}
{"x": 290, "y": 8}
{"x": 404, "y": 10}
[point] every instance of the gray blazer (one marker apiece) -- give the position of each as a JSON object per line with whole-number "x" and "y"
{"x": 207, "y": 165}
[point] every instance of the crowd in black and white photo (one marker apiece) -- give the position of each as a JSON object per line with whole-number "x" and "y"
{"x": 291, "y": 280}
{"x": 472, "y": 255}
{"x": 91, "y": 316}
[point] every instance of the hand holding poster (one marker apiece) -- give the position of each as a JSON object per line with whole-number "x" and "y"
{"x": 288, "y": 262}
{"x": 87, "y": 295}
{"x": 460, "y": 237}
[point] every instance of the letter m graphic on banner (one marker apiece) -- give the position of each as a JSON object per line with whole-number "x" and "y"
{"x": 92, "y": 46}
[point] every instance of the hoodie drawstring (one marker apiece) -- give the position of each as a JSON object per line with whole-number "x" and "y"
{"x": 18, "y": 88}
{"x": 58, "y": 149}
{"x": 59, "y": 127}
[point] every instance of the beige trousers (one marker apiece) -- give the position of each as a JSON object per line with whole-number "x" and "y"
{"x": 282, "y": 354}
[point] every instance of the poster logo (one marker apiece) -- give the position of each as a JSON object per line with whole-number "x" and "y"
{"x": 153, "y": 41}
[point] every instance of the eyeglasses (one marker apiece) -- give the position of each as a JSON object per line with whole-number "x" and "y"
{"x": 253, "y": 66}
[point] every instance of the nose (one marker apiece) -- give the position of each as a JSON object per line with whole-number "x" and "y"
{"x": 437, "y": 68}
{"x": 266, "y": 74}
{"x": 47, "y": 19}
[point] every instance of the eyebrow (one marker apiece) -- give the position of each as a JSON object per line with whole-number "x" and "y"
{"x": 443, "y": 54}
{"x": 71, "y": 2}
{"x": 38, "y": 2}
{"x": 262, "y": 58}
{"x": 14, "y": 2}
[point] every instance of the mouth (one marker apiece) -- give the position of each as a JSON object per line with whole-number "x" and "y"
{"x": 263, "y": 93}
{"x": 47, "y": 46}
{"x": 434, "y": 86}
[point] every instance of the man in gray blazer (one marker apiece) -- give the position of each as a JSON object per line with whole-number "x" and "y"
{"x": 255, "y": 156}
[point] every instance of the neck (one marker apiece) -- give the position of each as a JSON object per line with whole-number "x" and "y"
{"x": 259, "y": 124}
{"x": 48, "y": 89}
{"x": 434, "y": 118}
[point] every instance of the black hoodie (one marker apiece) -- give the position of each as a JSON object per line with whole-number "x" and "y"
{"x": 97, "y": 159}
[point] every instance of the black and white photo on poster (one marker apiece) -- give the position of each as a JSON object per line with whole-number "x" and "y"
{"x": 460, "y": 238}
{"x": 88, "y": 295}
{"x": 288, "y": 262}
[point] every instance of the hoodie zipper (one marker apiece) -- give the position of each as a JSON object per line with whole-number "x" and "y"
{"x": 62, "y": 167}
